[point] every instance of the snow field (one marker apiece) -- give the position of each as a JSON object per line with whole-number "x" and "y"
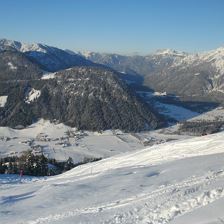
{"x": 154, "y": 185}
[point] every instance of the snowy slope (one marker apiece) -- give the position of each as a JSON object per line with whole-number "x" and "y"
{"x": 210, "y": 214}
{"x": 216, "y": 114}
{"x": 155, "y": 185}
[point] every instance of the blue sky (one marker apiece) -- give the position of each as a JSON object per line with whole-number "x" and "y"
{"x": 122, "y": 26}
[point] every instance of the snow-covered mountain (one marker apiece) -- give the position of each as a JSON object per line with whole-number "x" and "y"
{"x": 215, "y": 57}
{"x": 193, "y": 76}
{"x": 198, "y": 76}
{"x": 89, "y": 98}
{"x": 176, "y": 182}
{"x": 170, "y": 52}
{"x": 50, "y": 58}
{"x": 22, "y": 47}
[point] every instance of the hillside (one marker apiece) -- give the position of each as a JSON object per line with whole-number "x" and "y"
{"x": 16, "y": 66}
{"x": 174, "y": 182}
{"x": 89, "y": 98}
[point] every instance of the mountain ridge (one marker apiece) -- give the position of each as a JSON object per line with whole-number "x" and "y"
{"x": 49, "y": 58}
{"x": 199, "y": 76}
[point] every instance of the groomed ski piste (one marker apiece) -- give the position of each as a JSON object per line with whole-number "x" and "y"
{"x": 178, "y": 182}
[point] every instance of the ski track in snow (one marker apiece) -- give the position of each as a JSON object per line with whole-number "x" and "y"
{"x": 157, "y": 207}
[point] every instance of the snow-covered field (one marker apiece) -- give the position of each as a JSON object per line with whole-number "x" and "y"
{"x": 175, "y": 112}
{"x": 175, "y": 182}
{"x": 61, "y": 142}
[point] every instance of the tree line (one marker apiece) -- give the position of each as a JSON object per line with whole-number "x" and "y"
{"x": 38, "y": 165}
{"x": 201, "y": 127}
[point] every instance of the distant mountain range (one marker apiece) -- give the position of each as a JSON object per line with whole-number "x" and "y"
{"x": 48, "y": 58}
{"x": 191, "y": 76}
{"x": 95, "y": 91}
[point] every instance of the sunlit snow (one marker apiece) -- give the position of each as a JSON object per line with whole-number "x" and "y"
{"x": 3, "y": 100}
{"x": 32, "y": 95}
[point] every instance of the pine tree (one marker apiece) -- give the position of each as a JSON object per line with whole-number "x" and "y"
{"x": 42, "y": 165}
{"x": 69, "y": 164}
{"x": 2, "y": 167}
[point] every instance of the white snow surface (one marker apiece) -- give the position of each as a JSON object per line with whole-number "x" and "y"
{"x": 49, "y": 75}
{"x": 23, "y": 47}
{"x": 176, "y": 112}
{"x": 216, "y": 56}
{"x": 3, "y": 100}
{"x": 32, "y": 95}
{"x": 55, "y": 142}
{"x": 175, "y": 182}
{"x": 32, "y": 47}
{"x": 170, "y": 52}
